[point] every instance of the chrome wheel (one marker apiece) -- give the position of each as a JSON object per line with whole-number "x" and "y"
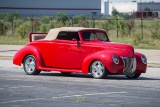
{"x": 30, "y": 65}
{"x": 98, "y": 70}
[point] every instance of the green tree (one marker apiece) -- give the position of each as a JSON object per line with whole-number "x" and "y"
{"x": 62, "y": 17}
{"x": 126, "y": 27}
{"x": 21, "y": 31}
{"x": 105, "y": 25}
{"x": 9, "y": 16}
{"x": 3, "y": 28}
{"x": 15, "y": 15}
{"x": 77, "y": 18}
{"x": 156, "y": 33}
{"x": 92, "y": 22}
{"x": 44, "y": 28}
{"x": 36, "y": 24}
{"x": 83, "y": 23}
{"x": 45, "y": 19}
{"x": 126, "y": 16}
{"x": 17, "y": 23}
{"x": 81, "y": 20}
{"x": 115, "y": 12}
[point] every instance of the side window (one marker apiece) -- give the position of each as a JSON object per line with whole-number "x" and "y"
{"x": 73, "y": 35}
{"x": 86, "y": 35}
{"x": 89, "y": 36}
{"x": 101, "y": 36}
{"x": 68, "y": 36}
{"x": 62, "y": 35}
{"x": 93, "y": 36}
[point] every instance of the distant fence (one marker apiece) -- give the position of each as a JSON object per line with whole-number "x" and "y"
{"x": 114, "y": 26}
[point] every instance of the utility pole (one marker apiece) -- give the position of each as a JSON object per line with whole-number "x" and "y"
{"x": 32, "y": 23}
{"x": 141, "y": 18}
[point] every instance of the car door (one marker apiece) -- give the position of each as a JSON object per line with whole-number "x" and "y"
{"x": 67, "y": 51}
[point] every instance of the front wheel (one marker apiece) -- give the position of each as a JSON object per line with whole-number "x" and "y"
{"x": 29, "y": 65}
{"x": 98, "y": 70}
{"x": 133, "y": 76}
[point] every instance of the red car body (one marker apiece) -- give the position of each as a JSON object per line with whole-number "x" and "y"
{"x": 58, "y": 53}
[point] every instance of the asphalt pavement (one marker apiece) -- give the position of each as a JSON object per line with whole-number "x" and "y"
{"x": 76, "y": 90}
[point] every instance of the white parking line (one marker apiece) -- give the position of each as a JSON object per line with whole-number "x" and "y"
{"x": 16, "y": 79}
{"x": 16, "y": 87}
{"x": 93, "y": 94}
{"x": 25, "y": 100}
{"x": 61, "y": 97}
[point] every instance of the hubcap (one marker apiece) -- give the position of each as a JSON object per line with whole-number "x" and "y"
{"x": 30, "y": 64}
{"x": 97, "y": 69}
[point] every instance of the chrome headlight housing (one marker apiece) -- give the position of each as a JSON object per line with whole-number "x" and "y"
{"x": 115, "y": 59}
{"x": 144, "y": 59}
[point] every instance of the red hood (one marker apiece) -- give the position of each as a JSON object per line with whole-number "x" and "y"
{"x": 120, "y": 49}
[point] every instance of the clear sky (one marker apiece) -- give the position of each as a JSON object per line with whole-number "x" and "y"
{"x": 131, "y": 0}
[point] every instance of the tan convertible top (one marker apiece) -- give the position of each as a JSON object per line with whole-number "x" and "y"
{"x": 53, "y": 33}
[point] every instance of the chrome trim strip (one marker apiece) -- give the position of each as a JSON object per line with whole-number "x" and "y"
{"x": 134, "y": 65}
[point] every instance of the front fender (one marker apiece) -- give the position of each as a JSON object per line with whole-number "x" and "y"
{"x": 28, "y": 50}
{"x": 141, "y": 67}
{"x": 106, "y": 58}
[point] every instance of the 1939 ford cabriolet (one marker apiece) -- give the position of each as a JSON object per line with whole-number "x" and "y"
{"x": 79, "y": 50}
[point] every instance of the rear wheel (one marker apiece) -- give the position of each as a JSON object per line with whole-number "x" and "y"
{"x": 98, "y": 70}
{"x": 29, "y": 65}
{"x": 133, "y": 76}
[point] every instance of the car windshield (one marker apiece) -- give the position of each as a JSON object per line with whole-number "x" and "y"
{"x": 94, "y": 36}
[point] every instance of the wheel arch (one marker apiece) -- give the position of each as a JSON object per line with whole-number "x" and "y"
{"x": 90, "y": 64}
{"x": 37, "y": 55}
{"x": 141, "y": 67}
{"x": 28, "y": 50}
{"x": 103, "y": 56}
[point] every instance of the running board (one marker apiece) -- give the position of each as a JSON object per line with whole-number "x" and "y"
{"x": 59, "y": 70}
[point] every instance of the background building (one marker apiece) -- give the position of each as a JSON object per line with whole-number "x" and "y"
{"x": 124, "y": 7}
{"x": 136, "y": 8}
{"x": 153, "y": 6}
{"x": 51, "y": 7}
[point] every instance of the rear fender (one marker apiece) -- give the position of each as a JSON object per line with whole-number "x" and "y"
{"x": 28, "y": 50}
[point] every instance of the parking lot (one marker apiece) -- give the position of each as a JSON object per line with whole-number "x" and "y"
{"x": 76, "y": 90}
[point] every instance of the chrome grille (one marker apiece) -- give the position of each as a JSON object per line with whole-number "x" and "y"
{"x": 129, "y": 65}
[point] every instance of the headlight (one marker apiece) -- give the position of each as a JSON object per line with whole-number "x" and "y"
{"x": 144, "y": 59}
{"x": 115, "y": 59}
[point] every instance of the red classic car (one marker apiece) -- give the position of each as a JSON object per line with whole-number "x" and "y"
{"x": 79, "y": 50}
